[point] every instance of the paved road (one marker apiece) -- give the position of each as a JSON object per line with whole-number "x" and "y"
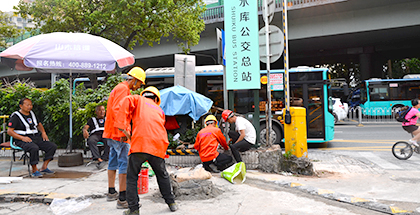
{"x": 356, "y": 164}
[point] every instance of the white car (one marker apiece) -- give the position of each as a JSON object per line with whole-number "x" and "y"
{"x": 340, "y": 109}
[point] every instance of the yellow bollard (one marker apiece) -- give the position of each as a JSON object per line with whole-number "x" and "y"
{"x": 295, "y": 133}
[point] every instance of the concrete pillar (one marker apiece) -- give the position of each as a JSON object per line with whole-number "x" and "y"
{"x": 365, "y": 66}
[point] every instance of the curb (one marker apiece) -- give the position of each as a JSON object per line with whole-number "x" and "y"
{"x": 44, "y": 198}
{"x": 332, "y": 195}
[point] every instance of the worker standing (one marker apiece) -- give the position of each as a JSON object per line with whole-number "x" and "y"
{"x": 206, "y": 143}
{"x": 118, "y": 152}
{"x": 149, "y": 141}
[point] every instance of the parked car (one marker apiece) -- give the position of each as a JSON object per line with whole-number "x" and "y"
{"x": 340, "y": 109}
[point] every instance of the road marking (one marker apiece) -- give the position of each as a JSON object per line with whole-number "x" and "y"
{"x": 360, "y": 148}
{"x": 357, "y": 199}
{"x": 398, "y": 210}
{"x": 365, "y": 141}
{"x": 379, "y": 161}
{"x": 323, "y": 191}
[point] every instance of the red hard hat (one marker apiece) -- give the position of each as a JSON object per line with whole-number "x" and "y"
{"x": 226, "y": 114}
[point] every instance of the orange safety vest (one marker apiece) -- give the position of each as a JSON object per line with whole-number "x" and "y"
{"x": 117, "y": 94}
{"x": 207, "y": 141}
{"x": 148, "y": 131}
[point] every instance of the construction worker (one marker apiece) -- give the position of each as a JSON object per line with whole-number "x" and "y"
{"x": 93, "y": 131}
{"x": 30, "y": 135}
{"x": 148, "y": 140}
{"x": 206, "y": 143}
{"x": 118, "y": 152}
{"x": 243, "y": 138}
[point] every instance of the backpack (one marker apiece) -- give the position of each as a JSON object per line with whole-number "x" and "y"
{"x": 400, "y": 115}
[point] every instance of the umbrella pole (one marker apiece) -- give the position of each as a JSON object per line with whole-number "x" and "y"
{"x": 71, "y": 117}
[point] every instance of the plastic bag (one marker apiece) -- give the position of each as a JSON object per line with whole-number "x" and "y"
{"x": 68, "y": 206}
{"x": 235, "y": 173}
{"x": 197, "y": 173}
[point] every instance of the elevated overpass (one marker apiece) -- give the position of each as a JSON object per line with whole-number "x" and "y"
{"x": 320, "y": 31}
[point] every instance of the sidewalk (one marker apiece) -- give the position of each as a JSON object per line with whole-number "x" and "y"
{"x": 340, "y": 178}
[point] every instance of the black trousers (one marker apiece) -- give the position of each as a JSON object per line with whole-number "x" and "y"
{"x": 222, "y": 161}
{"x": 93, "y": 146}
{"x": 34, "y": 147}
{"x": 240, "y": 146}
{"x": 135, "y": 160}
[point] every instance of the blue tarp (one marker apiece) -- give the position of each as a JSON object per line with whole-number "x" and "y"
{"x": 179, "y": 100}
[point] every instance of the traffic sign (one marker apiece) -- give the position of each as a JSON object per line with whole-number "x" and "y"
{"x": 271, "y": 7}
{"x": 276, "y": 40}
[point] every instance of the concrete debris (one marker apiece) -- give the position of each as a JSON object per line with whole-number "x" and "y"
{"x": 195, "y": 190}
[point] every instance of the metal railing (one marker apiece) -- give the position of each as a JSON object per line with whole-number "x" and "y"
{"x": 216, "y": 14}
{"x": 371, "y": 115}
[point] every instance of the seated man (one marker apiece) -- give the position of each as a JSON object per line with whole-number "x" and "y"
{"x": 243, "y": 138}
{"x": 206, "y": 143}
{"x": 93, "y": 131}
{"x": 30, "y": 135}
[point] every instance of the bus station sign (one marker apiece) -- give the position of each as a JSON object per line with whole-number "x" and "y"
{"x": 242, "y": 46}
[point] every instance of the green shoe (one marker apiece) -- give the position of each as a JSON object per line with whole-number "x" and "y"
{"x": 129, "y": 212}
{"x": 173, "y": 207}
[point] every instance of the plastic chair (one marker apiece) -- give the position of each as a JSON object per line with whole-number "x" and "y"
{"x": 25, "y": 156}
{"x": 100, "y": 147}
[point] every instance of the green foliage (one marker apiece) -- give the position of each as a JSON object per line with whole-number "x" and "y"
{"x": 52, "y": 106}
{"x": 187, "y": 137}
{"x": 126, "y": 22}
{"x": 172, "y": 143}
{"x": 289, "y": 153}
{"x": 190, "y": 134}
{"x": 404, "y": 67}
{"x": 7, "y": 31}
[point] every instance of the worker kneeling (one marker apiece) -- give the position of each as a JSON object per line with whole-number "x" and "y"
{"x": 148, "y": 140}
{"x": 207, "y": 141}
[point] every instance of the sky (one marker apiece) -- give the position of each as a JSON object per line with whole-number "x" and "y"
{"x": 7, "y": 5}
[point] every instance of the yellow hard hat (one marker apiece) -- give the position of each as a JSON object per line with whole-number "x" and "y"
{"x": 137, "y": 73}
{"x": 210, "y": 118}
{"x": 153, "y": 90}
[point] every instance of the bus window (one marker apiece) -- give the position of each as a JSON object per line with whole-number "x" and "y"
{"x": 378, "y": 93}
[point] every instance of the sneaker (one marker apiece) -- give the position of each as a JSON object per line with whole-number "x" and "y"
{"x": 173, "y": 207}
{"x": 129, "y": 212}
{"x": 47, "y": 171}
{"x": 100, "y": 165}
{"x": 122, "y": 204}
{"x": 111, "y": 196}
{"x": 36, "y": 174}
{"x": 413, "y": 142}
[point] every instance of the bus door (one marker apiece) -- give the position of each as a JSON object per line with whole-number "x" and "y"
{"x": 308, "y": 92}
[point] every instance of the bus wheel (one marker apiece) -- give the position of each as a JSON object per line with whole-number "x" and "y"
{"x": 275, "y": 135}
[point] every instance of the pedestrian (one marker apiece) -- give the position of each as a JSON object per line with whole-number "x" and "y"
{"x": 149, "y": 141}
{"x": 207, "y": 142}
{"x": 243, "y": 138}
{"x": 93, "y": 131}
{"x": 411, "y": 121}
{"x": 116, "y": 140}
{"x": 29, "y": 134}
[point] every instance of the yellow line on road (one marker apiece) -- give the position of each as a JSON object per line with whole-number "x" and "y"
{"x": 360, "y": 149}
{"x": 365, "y": 141}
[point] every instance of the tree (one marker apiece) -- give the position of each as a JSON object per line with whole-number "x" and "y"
{"x": 126, "y": 22}
{"x": 404, "y": 67}
{"x": 7, "y": 31}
